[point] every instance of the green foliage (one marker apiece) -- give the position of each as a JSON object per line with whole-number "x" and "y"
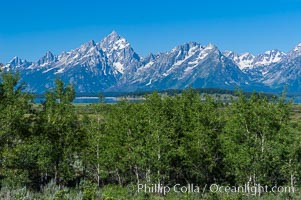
{"x": 60, "y": 195}
{"x": 256, "y": 140}
{"x": 61, "y": 134}
{"x": 14, "y": 104}
{"x": 59, "y": 151}
{"x": 89, "y": 190}
{"x": 112, "y": 192}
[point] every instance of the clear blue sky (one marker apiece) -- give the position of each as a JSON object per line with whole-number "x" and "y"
{"x": 29, "y": 28}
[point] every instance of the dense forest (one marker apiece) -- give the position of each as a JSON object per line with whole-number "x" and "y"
{"x": 58, "y": 150}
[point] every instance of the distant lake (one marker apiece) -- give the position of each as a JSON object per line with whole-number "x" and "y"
{"x": 116, "y": 99}
{"x": 93, "y": 99}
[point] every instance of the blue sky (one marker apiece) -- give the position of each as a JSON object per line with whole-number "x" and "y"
{"x": 30, "y": 28}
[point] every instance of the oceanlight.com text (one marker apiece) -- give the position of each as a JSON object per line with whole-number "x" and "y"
{"x": 247, "y": 189}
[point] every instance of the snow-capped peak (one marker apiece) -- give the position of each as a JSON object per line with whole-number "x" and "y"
{"x": 48, "y": 54}
{"x": 192, "y": 48}
{"x": 17, "y": 62}
{"x": 244, "y": 61}
{"x": 229, "y": 54}
{"x": 47, "y": 59}
{"x": 119, "y": 53}
{"x": 297, "y": 48}
{"x": 295, "y": 52}
{"x": 113, "y": 42}
{"x": 210, "y": 46}
{"x": 113, "y": 34}
{"x": 87, "y": 46}
{"x": 269, "y": 57}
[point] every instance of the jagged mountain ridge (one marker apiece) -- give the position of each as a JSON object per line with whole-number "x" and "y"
{"x": 187, "y": 65}
{"x": 113, "y": 65}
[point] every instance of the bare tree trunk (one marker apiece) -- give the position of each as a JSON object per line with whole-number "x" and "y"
{"x": 118, "y": 176}
{"x": 147, "y": 175}
{"x": 98, "y": 166}
{"x": 97, "y": 154}
{"x": 159, "y": 157}
{"x": 137, "y": 175}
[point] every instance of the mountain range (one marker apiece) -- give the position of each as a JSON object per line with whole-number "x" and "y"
{"x": 112, "y": 65}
